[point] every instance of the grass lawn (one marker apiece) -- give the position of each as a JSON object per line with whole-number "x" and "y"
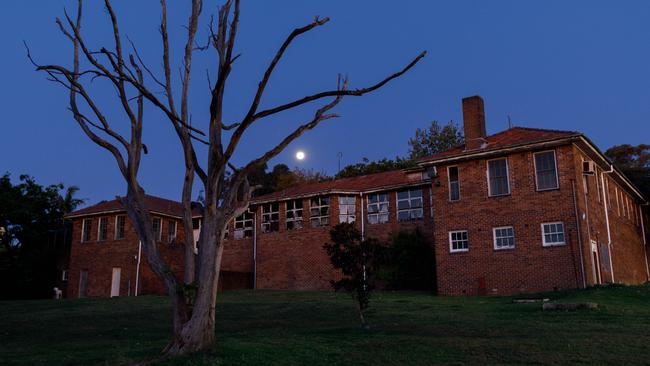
{"x": 313, "y": 328}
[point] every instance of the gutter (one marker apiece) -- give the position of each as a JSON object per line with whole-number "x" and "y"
{"x": 609, "y": 231}
{"x": 363, "y": 228}
{"x": 255, "y": 250}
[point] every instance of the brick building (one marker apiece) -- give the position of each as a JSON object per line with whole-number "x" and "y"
{"x": 522, "y": 210}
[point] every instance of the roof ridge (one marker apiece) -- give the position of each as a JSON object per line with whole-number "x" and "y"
{"x": 533, "y": 129}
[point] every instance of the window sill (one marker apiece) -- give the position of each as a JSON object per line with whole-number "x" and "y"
{"x": 553, "y": 245}
{"x": 500, "y": 195}
{"x": 548, "y": 189}
{"x": 458, "y": 251}
{"x": 504, "y": 249}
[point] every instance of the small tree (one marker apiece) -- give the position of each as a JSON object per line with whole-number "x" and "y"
{"x": 435, "y": 139}
{"x": 358, "y": 259}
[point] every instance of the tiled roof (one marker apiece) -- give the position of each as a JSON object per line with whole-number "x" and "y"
{"x": 155, "y": 204}
{"x": 354, "y": 185}
{"x": 512, "y": 137}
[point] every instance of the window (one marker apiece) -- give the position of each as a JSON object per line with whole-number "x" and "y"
{"x": 546, "y": 171}
{"x": 347, "y": 208}
{"x": 156, "y": 224}
{"x": 102, "y": 229}
{"x": 244, "y": 225}
{"x": 294, "y": 214}
{"x": 458, "y": 241}
{"x": 270, "y": 217}
{"x": 499, "y": 184}
{"x": 120, "y": 222}
{"x": 504, "y": 237}
{"x": 171, "y": 231}
{"x": 86, "y": 227}
{"x": 64, "y": 275}
{"x": 319, "y": 211}
{"x": 454, "y": 183}
{"x": 378, "y": 208}
{"x": 553, "y": 234}
{"x": 409, "y": 205}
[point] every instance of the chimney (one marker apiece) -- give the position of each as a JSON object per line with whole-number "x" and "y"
{"x": 474, "y": 122}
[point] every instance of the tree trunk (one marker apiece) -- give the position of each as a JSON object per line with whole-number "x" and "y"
{"x": 199, "y": 332}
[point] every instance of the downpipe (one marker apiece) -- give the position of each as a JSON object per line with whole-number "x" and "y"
{"x": 647, "y": 269}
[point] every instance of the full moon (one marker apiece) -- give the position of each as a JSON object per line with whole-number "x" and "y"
{"x": 300, "y": 155}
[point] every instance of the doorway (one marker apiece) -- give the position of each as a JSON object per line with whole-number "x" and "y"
{"x": 115, "y": 283}
{"x": 83, "y": 284}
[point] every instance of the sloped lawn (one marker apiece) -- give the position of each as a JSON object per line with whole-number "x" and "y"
{"x": 314, "y": 328}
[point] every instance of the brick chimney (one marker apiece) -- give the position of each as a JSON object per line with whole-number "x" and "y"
{"x": 474, "y": 122}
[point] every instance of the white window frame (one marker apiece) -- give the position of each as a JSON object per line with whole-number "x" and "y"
{"x": 99, "y": 228}
{"x": 64, "y": 275}
{"x": 159, "y": 233}
{"x": 557, "y": 175}
{"x": 449, "y": 182}
{"x": 452, "y": 241}
{"x": 553, "y": 244}
{"x": 267, "y": 226}
{"x": 171, "y": 237}
{"x": 83, "y": 230}
{"x": 296, "y": 218}
{"x": 115, "y": 237}
{"x": 487, "y": 166}
{"x": 378, "y": 213}
{"x": 240, "y": 233}
{"x": 349, "y": 217}
{"x": 398, "y": 200}
{"x": 323, "y": 220}
{"x": 494, "y": 238}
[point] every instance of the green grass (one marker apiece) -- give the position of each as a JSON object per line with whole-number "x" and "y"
{"x": 298, "y": 328}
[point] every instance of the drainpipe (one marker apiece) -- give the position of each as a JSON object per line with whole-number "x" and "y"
{"x": 255, "y": 250}
{"x": 609, "y": 231}
{"x": 363, "y": 219}
{"x": 582, "y": 261}
{"x": 137, "y": 268}
{"x": 647, "y": 269}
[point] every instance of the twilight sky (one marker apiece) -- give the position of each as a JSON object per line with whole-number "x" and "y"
{"x": 578, "y": 65}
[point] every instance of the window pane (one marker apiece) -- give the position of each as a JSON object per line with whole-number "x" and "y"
{"x": 498, "y": 173}
{"x": 546, "y": 171}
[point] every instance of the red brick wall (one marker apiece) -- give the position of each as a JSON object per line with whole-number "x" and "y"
{"x": 628, "y": 254}
{"x": 295, "y": 259}
{"x": 99, "y": 258}
{"x": 530, "y": 266}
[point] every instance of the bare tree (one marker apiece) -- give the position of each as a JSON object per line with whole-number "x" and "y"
{"x": 225, "y": 199}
